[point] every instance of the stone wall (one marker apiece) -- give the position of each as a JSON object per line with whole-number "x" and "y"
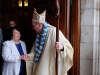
{"x": 87, "y": 30}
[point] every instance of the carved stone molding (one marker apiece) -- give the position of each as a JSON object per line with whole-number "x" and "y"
{"x": 96, "y": 52}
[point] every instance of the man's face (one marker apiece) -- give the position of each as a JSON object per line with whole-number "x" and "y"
{"x": 12, "y": 23}
{"x": 37, "y": 27}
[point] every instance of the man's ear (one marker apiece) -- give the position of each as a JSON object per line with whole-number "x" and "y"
{"x": 40, "y": 24}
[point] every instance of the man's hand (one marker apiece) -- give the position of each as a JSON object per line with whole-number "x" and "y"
{"x": 59, "y": 46}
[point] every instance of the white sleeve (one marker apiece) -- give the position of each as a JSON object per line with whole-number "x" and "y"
{"x": 62, "y": 39}
{"x": 7, "y": 55}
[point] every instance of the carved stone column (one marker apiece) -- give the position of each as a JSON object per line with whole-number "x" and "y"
{"x": 96, "y": 39}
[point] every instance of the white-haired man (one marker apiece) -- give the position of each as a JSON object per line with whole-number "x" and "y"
{"x": 42, "y": 58}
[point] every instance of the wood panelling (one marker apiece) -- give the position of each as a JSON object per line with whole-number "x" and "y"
{"x": 75, "y": 36}
{"x": 63, "y": 16}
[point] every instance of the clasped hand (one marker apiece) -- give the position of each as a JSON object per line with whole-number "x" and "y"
{"x": 58, "y": 46}
{"x": 24, "y": 57}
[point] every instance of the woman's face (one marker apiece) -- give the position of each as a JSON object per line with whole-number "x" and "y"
{"x": 16, "y": 34}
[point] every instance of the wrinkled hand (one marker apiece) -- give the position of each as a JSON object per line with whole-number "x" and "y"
{"x": 58, "y": 46}
{"x": 24, "y": 57}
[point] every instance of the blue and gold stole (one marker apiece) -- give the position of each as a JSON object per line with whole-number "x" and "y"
{"x": 40, "y": 40}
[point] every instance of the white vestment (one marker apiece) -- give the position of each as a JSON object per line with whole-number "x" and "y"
{"x": 46, "y": 64}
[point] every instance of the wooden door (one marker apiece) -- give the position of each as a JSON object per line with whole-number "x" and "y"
{"x": 75, "y": 35}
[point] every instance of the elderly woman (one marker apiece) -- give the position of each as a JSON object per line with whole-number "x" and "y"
{"x": 13, "y": 54}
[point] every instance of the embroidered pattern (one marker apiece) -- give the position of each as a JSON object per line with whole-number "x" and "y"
{"x": 40, "y": 40}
